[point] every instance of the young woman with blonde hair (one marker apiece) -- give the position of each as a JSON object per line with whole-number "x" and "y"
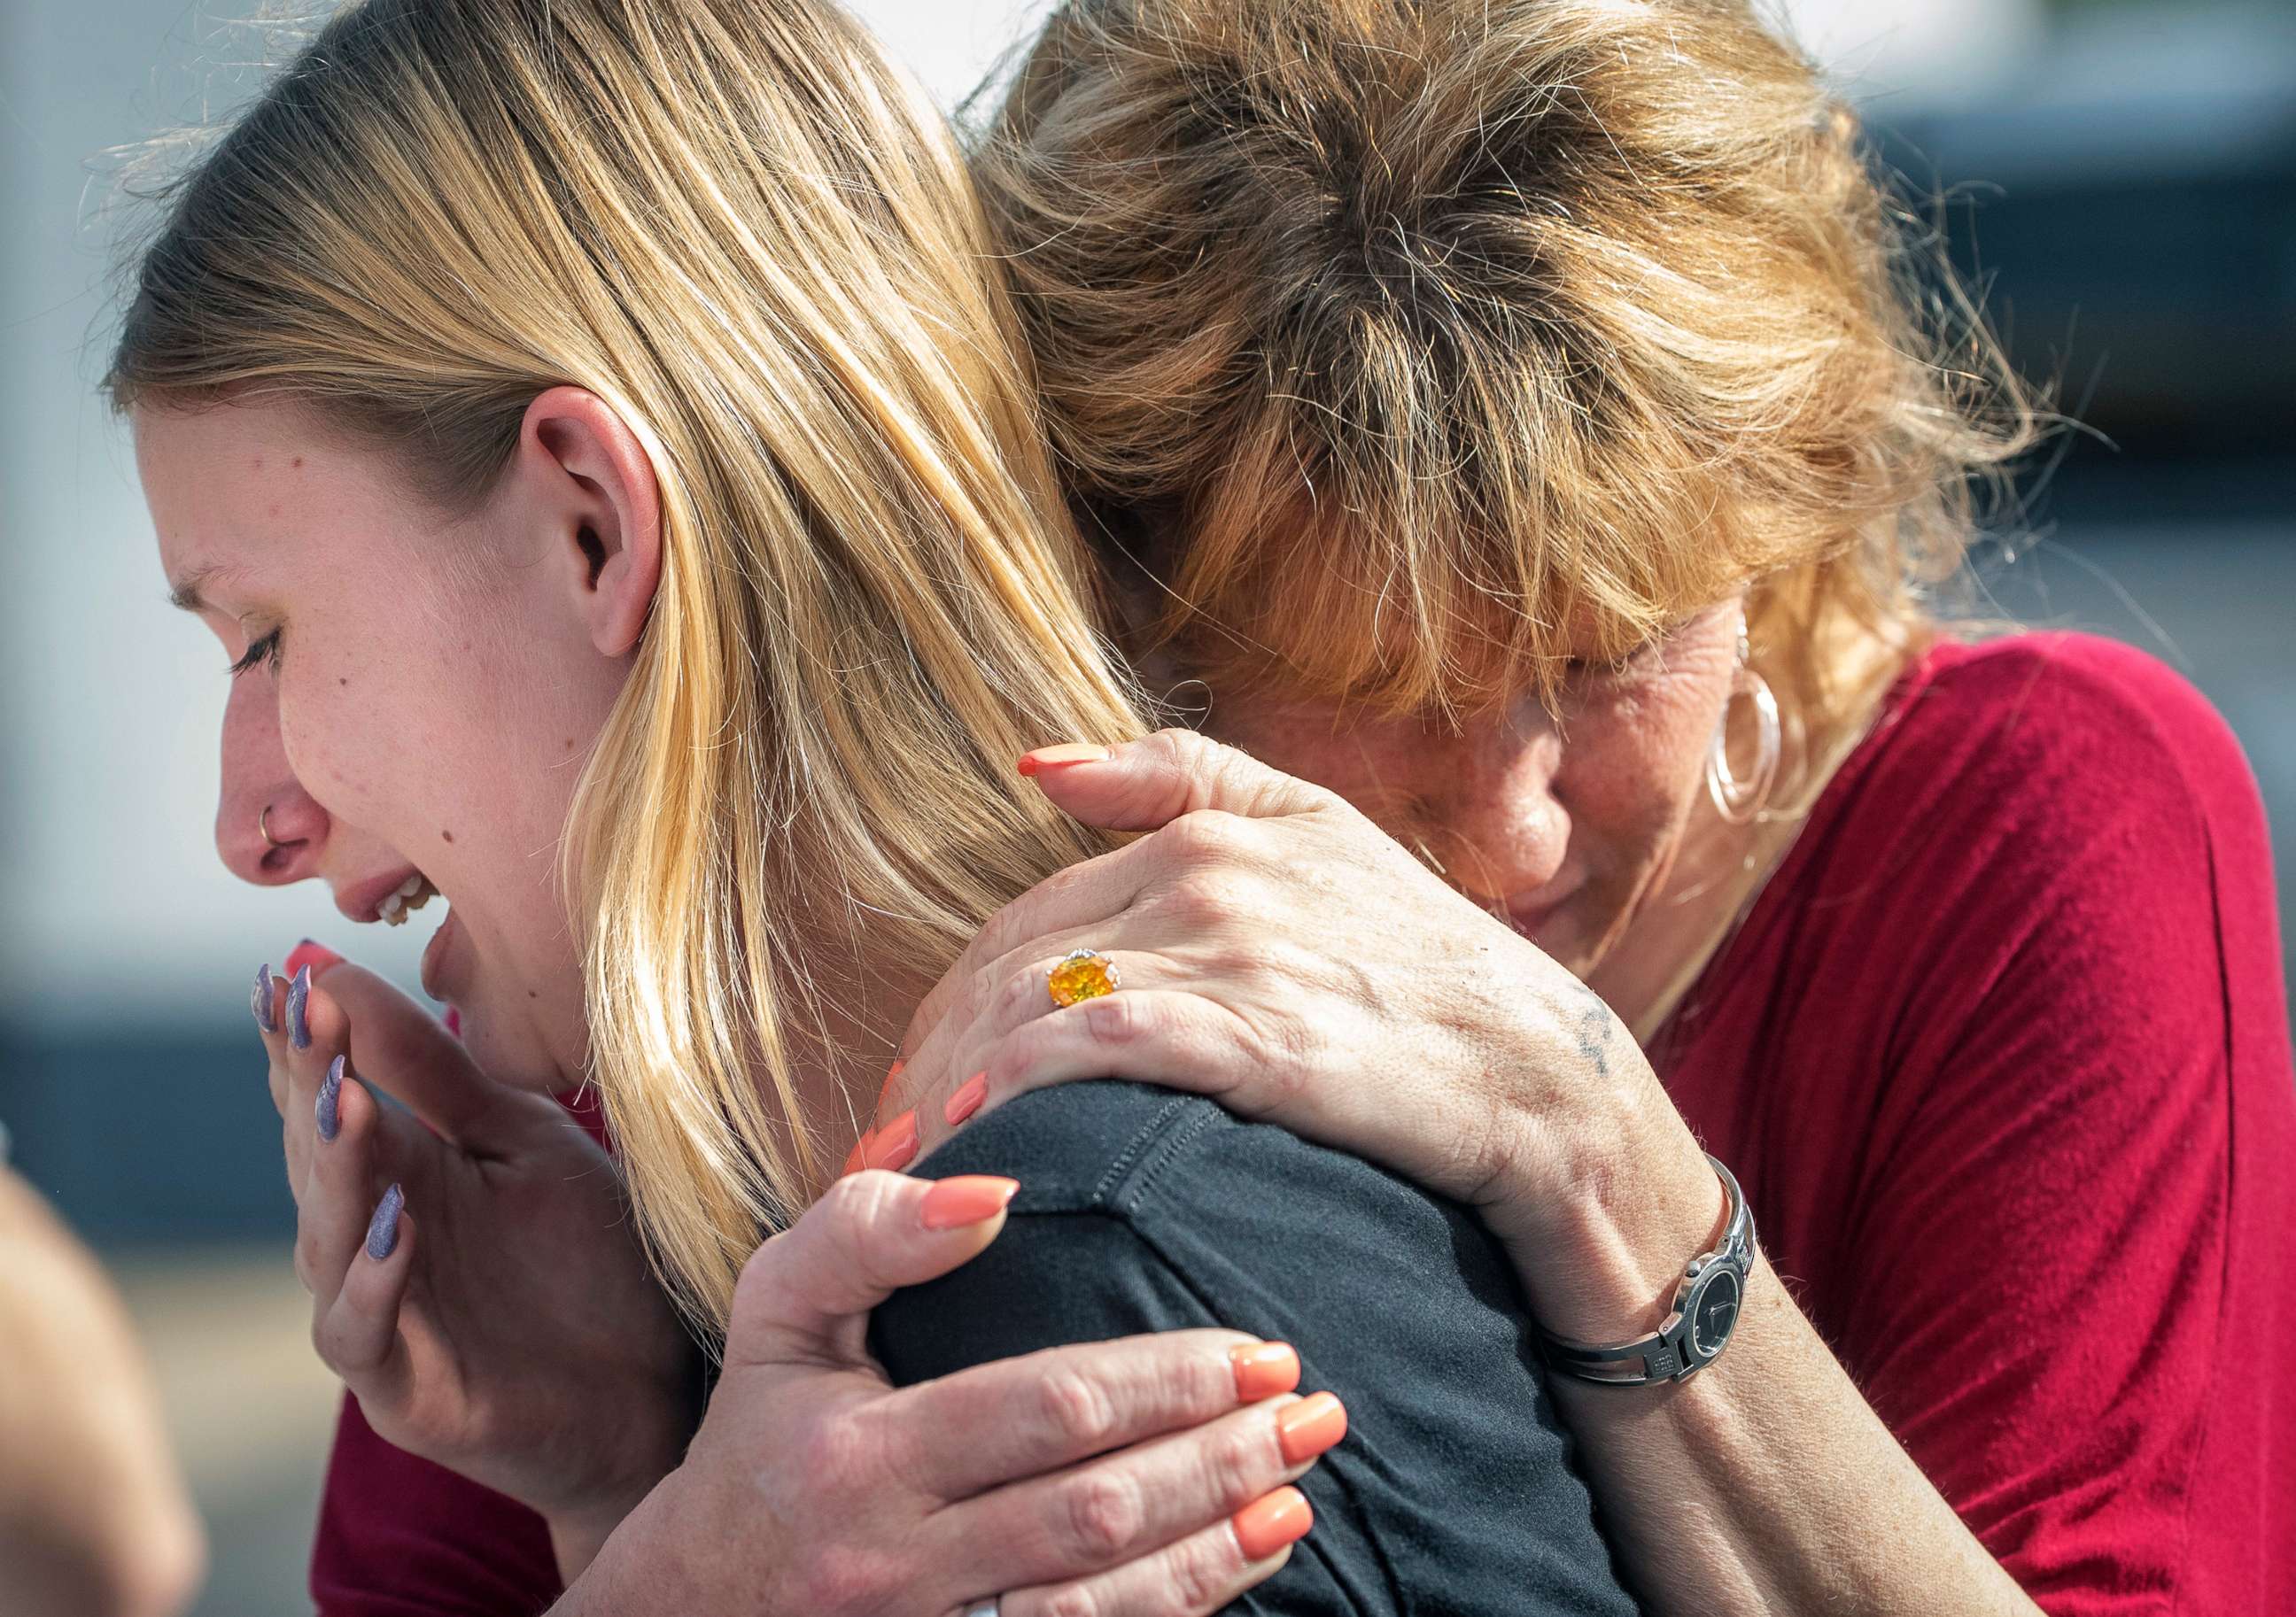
{"x": 590, "y": 428}
{"x": 1526, "y": 420}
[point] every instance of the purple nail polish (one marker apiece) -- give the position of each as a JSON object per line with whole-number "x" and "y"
{"x": 330, "y": 1089}
{"x": 382, "y": 1229}
{"x": 259, "y": 1001}
{"x": 298, "y": 1007}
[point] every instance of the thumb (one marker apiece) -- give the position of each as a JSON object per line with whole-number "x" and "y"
{"x": 402, "y": 1050}
{"x": 805, "y": 1296}
{"x": 1141, "y": 785}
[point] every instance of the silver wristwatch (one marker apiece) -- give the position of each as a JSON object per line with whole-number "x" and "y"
{"x": 1705, "y": 1311}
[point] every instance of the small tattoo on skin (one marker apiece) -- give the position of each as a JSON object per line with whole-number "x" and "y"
{"x": 1593, "y": 1029}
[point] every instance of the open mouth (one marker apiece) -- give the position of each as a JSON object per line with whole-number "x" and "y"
{"x": 409, "y": 896}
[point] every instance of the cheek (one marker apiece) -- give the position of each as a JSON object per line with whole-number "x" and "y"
{"x": 1640, "y": 757}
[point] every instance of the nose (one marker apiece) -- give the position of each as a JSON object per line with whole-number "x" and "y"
{"x": 268, "y": 830}
{"x": 1505, "y": 829}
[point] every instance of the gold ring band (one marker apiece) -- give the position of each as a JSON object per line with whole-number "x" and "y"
{"x": 1082, "y": 973}
{"x": 263, "y": 828}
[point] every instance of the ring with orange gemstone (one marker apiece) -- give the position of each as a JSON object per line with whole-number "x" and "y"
{"x": 1082, "y": 973}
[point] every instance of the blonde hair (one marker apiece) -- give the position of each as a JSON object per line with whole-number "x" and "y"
{"x": 1415, "y": 346}
{"x": 738, "y": 224}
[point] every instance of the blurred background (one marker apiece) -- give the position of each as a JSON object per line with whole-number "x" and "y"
{"x": 2118, "y": 175}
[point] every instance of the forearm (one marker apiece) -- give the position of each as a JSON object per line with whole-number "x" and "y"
{"x": 1764, "y": 1483}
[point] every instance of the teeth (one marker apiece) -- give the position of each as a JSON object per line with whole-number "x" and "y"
{"x": 411, "y": 895}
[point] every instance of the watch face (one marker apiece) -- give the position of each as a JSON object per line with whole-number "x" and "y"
{"x": 1714, "y": 1310}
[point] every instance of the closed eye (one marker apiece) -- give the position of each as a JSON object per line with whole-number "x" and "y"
{"x": 264, "y": 650}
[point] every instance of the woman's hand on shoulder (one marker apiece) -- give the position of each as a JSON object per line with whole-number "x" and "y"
{"x": 1130, "y": 1478}
{"x": 1281, "y": 954}
{"x": 474, "y": 1276}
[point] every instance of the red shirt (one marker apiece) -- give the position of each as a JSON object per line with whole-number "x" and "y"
{"x": 2001, "y": 1057}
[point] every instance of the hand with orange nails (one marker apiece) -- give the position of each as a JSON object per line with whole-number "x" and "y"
{"x": 473, "y": 1274}
{"x": 1281, "y": 954}
{"x": 817, "y": 1488}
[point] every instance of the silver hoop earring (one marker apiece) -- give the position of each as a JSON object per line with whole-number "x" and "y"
{"x": 1740, "y": 801}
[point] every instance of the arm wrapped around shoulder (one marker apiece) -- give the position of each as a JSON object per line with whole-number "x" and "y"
{"x": 1141, "y": 1209}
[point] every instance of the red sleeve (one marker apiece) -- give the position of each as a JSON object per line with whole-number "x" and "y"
{"x": 2073, "y": 1238}
{"x": 401, "y": 1536}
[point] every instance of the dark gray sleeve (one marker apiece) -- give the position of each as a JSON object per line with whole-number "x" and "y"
{"x": 1454, "y": 1492}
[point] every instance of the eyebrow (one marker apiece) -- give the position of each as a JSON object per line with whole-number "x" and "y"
{"x": 183, "y": 595}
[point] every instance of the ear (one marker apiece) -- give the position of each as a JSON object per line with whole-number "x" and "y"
{"x": 603, "y": 511}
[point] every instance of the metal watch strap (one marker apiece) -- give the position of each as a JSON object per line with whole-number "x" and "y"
{"x": 1706, "y": 1304}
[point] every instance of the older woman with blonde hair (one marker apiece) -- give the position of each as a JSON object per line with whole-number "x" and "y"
{"x": 1517, "y": 427}
{"x": 1532, "y": 422}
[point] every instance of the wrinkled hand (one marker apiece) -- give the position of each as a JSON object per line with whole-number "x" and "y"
{"x": 504, "y": 1323}
{"x": 1281, "y": 954}
{"x": 1138, "y": 1478}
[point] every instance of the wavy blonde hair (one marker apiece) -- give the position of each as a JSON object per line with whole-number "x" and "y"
{"x": 738, "y": 224}
{"x": 1412, "y": 347}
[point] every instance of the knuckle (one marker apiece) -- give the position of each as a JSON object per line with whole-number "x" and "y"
{"x": 1202, "y": 836}
{"x": 1202, "y": 899}
{"x": 1116, "y": 1018}
{"x": 1078, "y": 1408}
{"x": 1243, "y": 1464}
{"x": 1201, "y": 1571}
{"x": 842, "y": 1576}
{"x": 1019, "y": 997}
{"x": 838, "y": 1455}
{"x": 1104, "y": 1516}
{"x": 1072, "y": 1600}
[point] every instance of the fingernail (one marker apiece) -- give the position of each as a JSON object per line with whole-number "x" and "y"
{"x": 895, "y": 1145}
{"x": 1271, "y": 1521}
{"x": 967, "y": 1099}
{"x": 259, "y": 1001}
{"x": 1264, "y": 1369}
{"x": 886, "y": 1088}
{"x": 1310, "y": 1426}
{"x": 859, "y": 1156}
{"x": 330, "y": 1089}
{"x": 318, "y": 957}
{"x": 383, "y": 1229}
{"x": 967, "y": 1199}
{"x": 1067, "y": 752}
{"x": 298, "y": 1009}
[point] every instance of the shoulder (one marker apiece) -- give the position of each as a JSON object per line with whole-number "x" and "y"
{"x": 1185, "y": 1172}
{"x": 2042, "y": 753}
{"x": 2037, "y": 712}
{"x": 1142, "y": 1210}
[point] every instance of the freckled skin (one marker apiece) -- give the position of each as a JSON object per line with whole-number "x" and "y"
{"x": 1516, "y": 808}
{"x": 461, "y": 681}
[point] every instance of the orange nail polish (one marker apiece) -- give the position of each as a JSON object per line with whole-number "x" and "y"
{"x": 894, "y": 1146}
{"x": 1264, "y": 1369}
{"x": 857, "y": 1156}
{"x": 1271, "y": 1521}
{"x": 886, "y": 1088}
{"x": 967, "y": 1199}
{"x": 1067, "y": 752}
{"x": 1310, "y": 1426}
{"x": 967, "y": 1099}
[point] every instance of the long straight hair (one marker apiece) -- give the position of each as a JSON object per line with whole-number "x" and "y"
{"x": 740, "y": 225}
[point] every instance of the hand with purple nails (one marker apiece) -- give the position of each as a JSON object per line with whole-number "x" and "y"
{"x": 474, "y": 1276}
